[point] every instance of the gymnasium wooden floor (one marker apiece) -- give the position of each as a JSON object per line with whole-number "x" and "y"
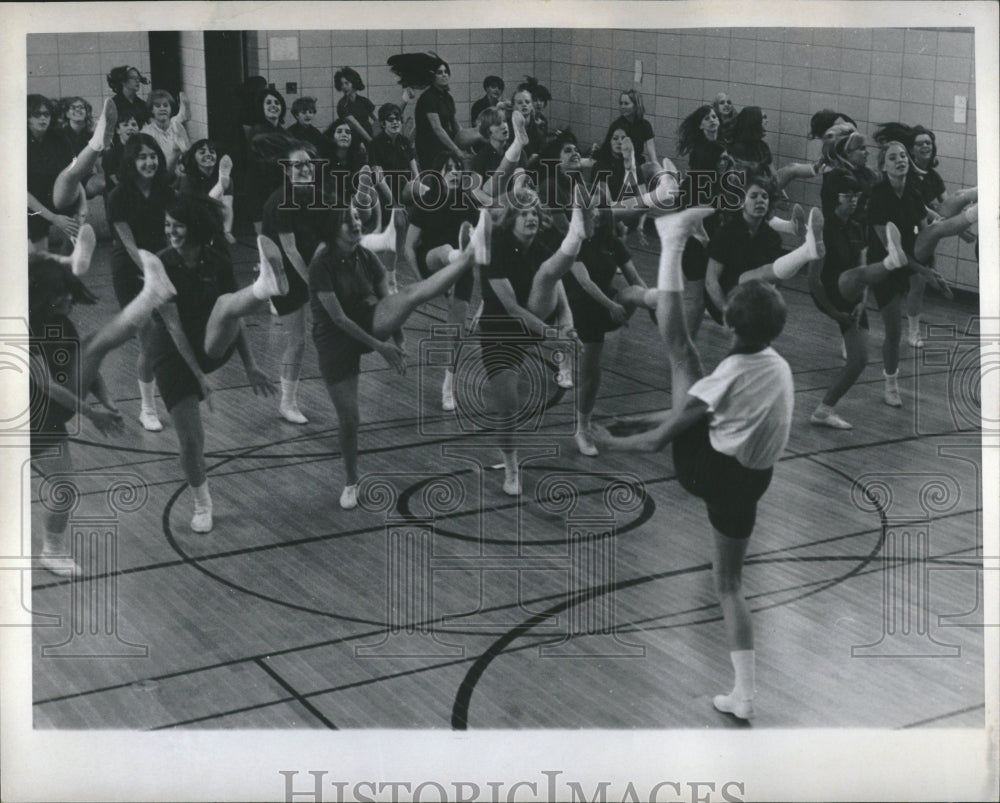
{"x": 442, "y": 603}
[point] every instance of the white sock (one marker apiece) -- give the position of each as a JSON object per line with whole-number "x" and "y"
{"x": 510, "y": 465}
{"x": 782, "y": 226}
{"x": 673, "y": 238}
{"x": 147, "y": 392}
{"x": 585, "y": 421}
{"x": 786, "y": 266}
{"x": 202, "y": 498}
{"x": 914, "y": 321}
{"x": 575, "y": 236}
{"x": 54, "y": 542}
{"x": 97, "y": 138}
{"x": 289, "y": 391}
{"x": 744, "y": 665}
{"x": 895, "y": 256}
{"x": 891, "y": 380}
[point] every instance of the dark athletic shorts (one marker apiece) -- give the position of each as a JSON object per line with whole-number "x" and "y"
{"x": 591, "y": 319}
{"x": 339, "y": 353}
{"x": 297, "y": 295}
{"x": 730, "y": 490}
{"x": 463, "y": 287}
{"x": 895, "y": 285}
{"x": 126, "y": 278}
{"x": 174, "y": 379}
{"x": 840, "y": 303}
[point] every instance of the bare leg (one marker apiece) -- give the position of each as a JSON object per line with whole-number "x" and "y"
{"x": 57, "y": 552}
{"x": 344, "y": 395}
{"x": 957, "y": 201}
{"x": 68, "y": 188}
{"x": 590, "y": 382}
{"x": 727, "y": 573}
{"x": 294, "y": 325}
{"x": 504, "y": 389}
{"x": 224, "y": 324}
{"x": 694, "y": 309}
{"x": 685, "y": 362}
{"x": 392, "y": 311}
{"x": 892, "y": 319}
{"x": 784, "y": 267}
{"x": 856, "y": 343}
{"x": 543, "y": 297}
{"x": 914, "y": 306}
{"x": 927, "y": 240}
{"x": 186, "y": 416}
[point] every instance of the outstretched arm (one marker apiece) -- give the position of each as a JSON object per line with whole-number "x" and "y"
{"x": 678, "y": 422}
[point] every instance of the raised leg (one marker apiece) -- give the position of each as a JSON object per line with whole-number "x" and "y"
{"x": 392, "y": 311}
{"x": 224, "y": 323}
{"x": 68, "y": 186}
{"x": 927, "y": 240}
{"x": 543, "y": 297}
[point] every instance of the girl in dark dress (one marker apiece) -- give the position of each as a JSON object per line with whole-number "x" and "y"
{"x": 357, "y": 110}
{"x": 203, "y": 173}
{"x": 54, "y": 381}
{"x": 921, "y": 146}
{"x": 198, "y": 332}
{"x": 135, "y": 213}
{"x": 264, "y": 145}
{"x": 354, "y": 314}
{"x": 48, "y": 153}
{"x": 297, "y": 229}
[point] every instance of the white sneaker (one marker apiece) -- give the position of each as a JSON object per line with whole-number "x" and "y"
{"x": 584, "y": 444}
{"x": 447, "y": 399}
{"x": 891, "y": 395}
{"x": 201, "y": 521}
{"x": 291, "y": 413}
{"x": 349, "y": 497}
{"x": 150, "y": 421}
{"x": 831, "y": 420}
{"x": 512, "y": 486}
{"x": 913, "y": 338}
{"x": 742, "y": 709}
{"x": 61, "y": 565}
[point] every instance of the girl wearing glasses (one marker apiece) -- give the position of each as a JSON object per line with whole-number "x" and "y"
{"x": 297, "y": 233}
{"x": 921, "y": 146}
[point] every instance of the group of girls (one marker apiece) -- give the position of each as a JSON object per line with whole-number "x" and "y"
{"x": 557, "y": 268}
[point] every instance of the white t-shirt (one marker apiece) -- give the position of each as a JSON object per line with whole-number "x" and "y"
{"x": 750, "y": 398}
{"x": 174, "y": 142}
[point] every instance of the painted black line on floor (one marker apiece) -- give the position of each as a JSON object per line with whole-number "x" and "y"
{"x": 545, "y": 637}
{"x": 500, "y": 506}
{"x": 463, "y": 698}
{"x": 262, "y": 663}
